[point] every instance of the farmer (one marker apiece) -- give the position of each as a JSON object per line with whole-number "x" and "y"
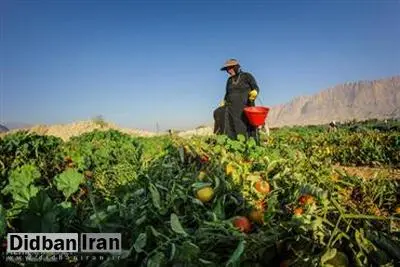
{"x": 241, "y": 91}
{"x": 332, "y": 126}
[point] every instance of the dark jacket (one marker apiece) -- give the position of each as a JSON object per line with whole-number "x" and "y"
{"x": 236, "y": 99}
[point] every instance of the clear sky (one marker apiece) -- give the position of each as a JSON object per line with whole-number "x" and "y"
{"x": 139, "y": 63}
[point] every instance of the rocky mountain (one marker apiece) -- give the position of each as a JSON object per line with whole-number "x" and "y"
{"x": 3, "y": 129}
{"x": 360, "y": 100}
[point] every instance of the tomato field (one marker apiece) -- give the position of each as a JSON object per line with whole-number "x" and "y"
{"x": 210, "y": 201}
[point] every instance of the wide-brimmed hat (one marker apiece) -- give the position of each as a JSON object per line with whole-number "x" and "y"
{"x": 230, "y": 63}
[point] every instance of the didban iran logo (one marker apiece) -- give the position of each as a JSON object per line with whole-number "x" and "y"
{"x": 64, "y": 243}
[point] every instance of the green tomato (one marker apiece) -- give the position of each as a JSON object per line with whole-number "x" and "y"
{"x": 340, "y": 260}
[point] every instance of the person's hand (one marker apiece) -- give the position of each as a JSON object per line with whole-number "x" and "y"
{"x": 252, "y": 95}
{"x": 222, "y": 103}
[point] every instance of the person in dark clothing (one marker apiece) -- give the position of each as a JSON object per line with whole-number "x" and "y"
{"x": 241, "y": 91}
{"x": 332, "y": 126}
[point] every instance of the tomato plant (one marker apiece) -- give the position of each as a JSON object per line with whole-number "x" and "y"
{"x": 183, "y": 201}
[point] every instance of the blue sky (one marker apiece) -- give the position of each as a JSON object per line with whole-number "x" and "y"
{"x": 139, "y": 63}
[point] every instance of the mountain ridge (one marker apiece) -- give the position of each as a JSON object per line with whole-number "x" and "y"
{"x": 360, "y": 100}
{"x": 3, "y": 129}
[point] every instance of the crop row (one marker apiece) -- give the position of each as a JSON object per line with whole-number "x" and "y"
{"x": 201, "y": 201}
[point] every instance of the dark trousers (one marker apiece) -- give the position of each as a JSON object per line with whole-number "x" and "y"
{"x": 221, "y": 118}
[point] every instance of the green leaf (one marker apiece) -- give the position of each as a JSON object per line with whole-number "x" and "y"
{"x": 156, "y": 260}
{"x": 138, "y": 192}
{"x": 154, "y": 232}
{"x": 181, "y": 154}
{"x": 141, "y": 220}
{"x": 221, "y": 140}
{"x": 173, "y": 251}
{"x": 363, "y": 242}
{"x": 339, "y": 260}
{"x": 197, "y": 202}
{"x": 235, "y": 257}
{"x": 41, "y": 215}
{"x": 97, "y": 218}
{"x": 217, "y": 182}
{"x": 68, "y": 182}
{"x": 22, "y": 197}
{"x": 219, "y": 209}
{"x": 205, "y": 261}
{"x": 386, "y": 244}
{"x": 176, "y": 225}
{"x": 155, "y": 196}
{"x": 65, "y": 205}
{"x": 251, "y": 143}
{"x": 112, "y": 208}
{"x": 241, "y": 138}
{"x": 21, "y": 186}
{"x": 200, "y": 185}
{"x": 22, "y": 177}
{"x": 189, "y": 251}
{"x": 328, "y": 255}
{"x": 273, "y": 202}
{"x": 140, "y": 242}
{"x": 125, "y": 253}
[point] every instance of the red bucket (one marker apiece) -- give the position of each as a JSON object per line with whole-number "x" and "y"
{"x": 256, "y": 115}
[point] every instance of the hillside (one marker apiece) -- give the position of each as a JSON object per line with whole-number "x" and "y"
{"x": 3, "y": 129}
{"x": 354, "y": 100}
{"x": 66, "y": 131}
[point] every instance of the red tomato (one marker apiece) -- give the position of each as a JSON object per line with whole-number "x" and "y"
{"x": 204, "y": 159}
{"x": 306, "y": 200}
{"x": 302, "y": 200}
{"x": 242, "y": 223}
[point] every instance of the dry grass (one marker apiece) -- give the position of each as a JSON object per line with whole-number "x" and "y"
{"x": 66, "y": 131}
{"x": 371, "y": 173}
